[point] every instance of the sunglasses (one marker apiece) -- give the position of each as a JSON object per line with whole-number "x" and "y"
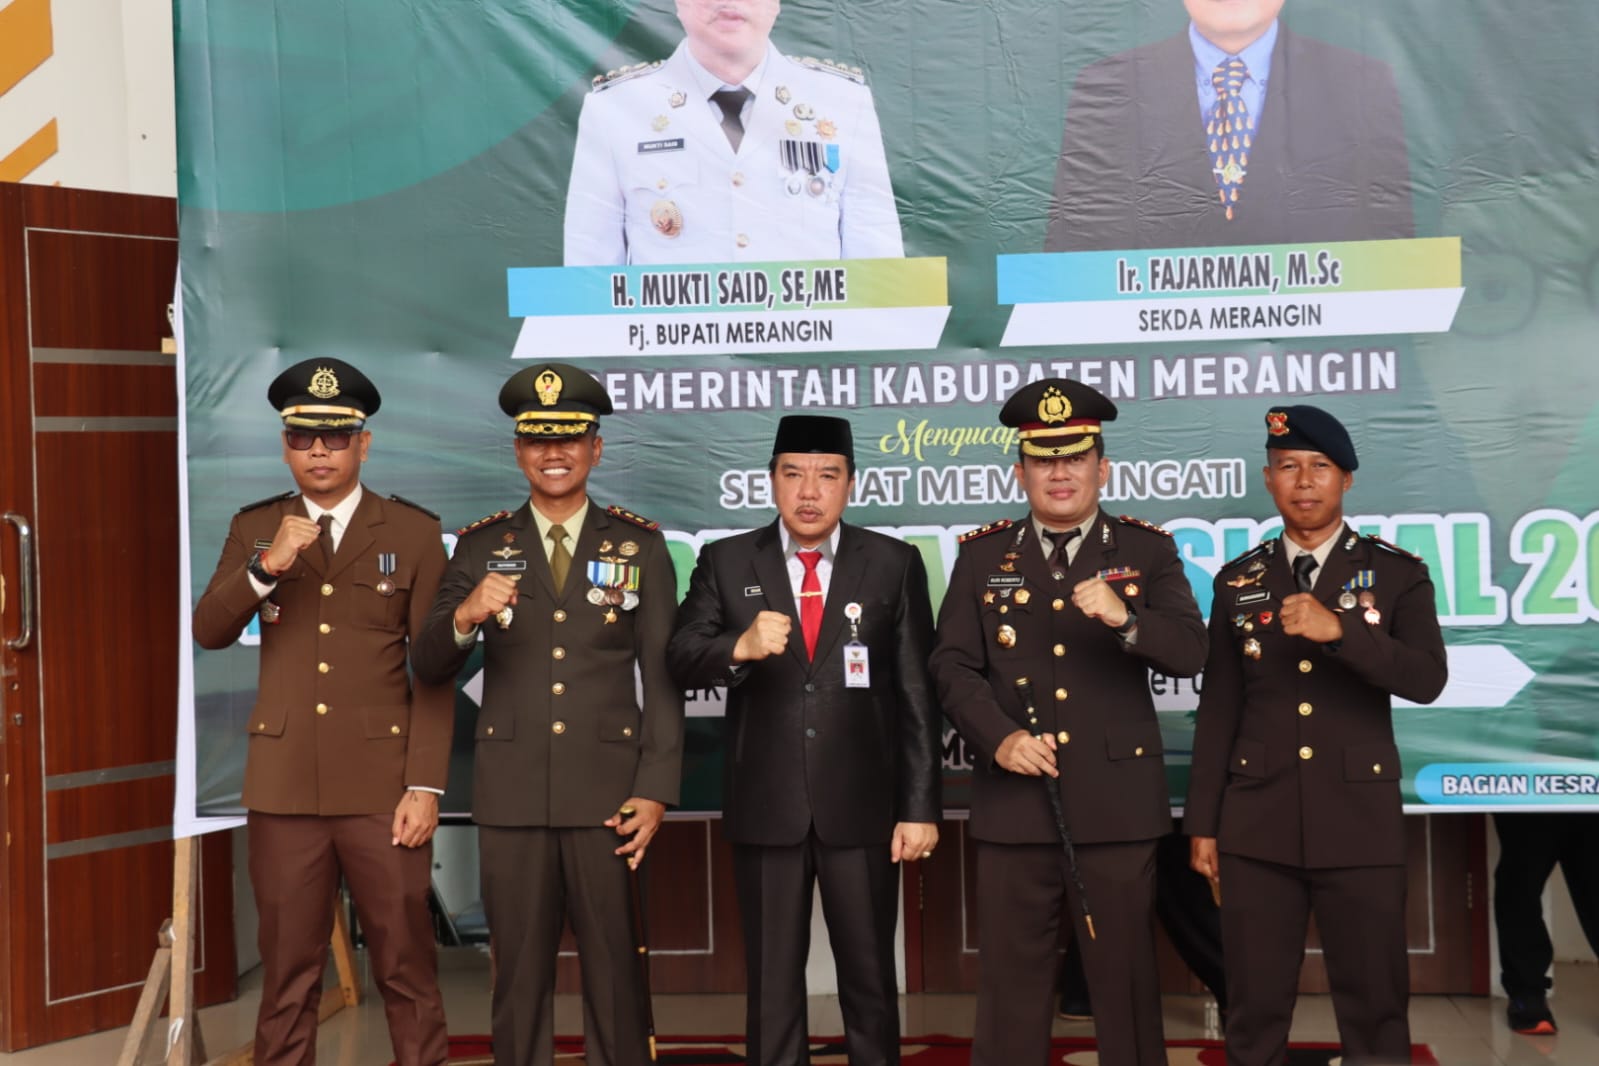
{"x": 334, "y": 440}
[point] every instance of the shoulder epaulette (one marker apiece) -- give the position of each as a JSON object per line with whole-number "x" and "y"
{"x": 628, "y": 516}
{"x": 1266, "y": 547}
{"x": 620, "y": 74}
{"x": 1129, "y": 520}
{"x": 486, "y": 520}
{"x": 263, "y": 503}
{"x": 983, "y": 531}
{"x": 832, "y": 66}
{"x": 414, "y": 506}
{"x": 1392, "y": 549}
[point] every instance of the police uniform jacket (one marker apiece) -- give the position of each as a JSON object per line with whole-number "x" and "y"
{"x": 809, "y": 180}
{"x": 1294, "y": 754}
{"x": 1005, "y": 617}
{"x": 338, "y": 726}
{"x": 562, "y": 736}
{"x": 802, "y": 747}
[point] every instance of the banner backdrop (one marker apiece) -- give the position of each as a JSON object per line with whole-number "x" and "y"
{"x": 931, "y": 204}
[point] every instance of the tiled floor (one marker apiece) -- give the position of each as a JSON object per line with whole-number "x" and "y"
{"x": 1463, "y": 1030}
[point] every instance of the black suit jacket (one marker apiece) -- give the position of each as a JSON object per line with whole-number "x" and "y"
{"x": 1294, "y": 754}
{"x": 803, "y": 749}
{"x": 1086, "y": 682}
{"x": 1329, "y": 161}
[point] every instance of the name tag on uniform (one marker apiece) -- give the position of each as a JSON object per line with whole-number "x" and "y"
{"x": 1258, "y": 596}
{"x": 1005, "y": 581}
{"x": 857, "y": 668}
{"x": 752, "y": 590}
{"x": 674, "y": 144}
{"x": 506, "y": 566}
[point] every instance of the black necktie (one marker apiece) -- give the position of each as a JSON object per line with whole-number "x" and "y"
{"x": 731, "y": 101}
{"x": 1303, "y": 567}
{"x": 1058, "y": 559}
{"x": 326, "y": 539}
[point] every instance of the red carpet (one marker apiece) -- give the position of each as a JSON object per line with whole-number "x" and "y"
{"x": 917, "y": 1051}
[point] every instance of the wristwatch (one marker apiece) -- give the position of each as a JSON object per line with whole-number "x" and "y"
{"x": 1129, "y": 625}
{"x": 259, "y": 571}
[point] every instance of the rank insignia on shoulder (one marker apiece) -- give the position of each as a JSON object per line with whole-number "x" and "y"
{"x": 263, "y": 503}
{"x": 414, "y": 506}
{"x": 1392, "y": 549}
{"x": 628, "y": 516}
{"x": 1129, "y": 520}
{"x": 605, "y": 81}
{"x": 1257, "y": 553}
{"x": 983, "y": 531}
{"x": 486, "y": 520}
{"x": 832, "y": 66}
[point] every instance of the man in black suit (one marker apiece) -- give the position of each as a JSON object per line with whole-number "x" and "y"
{"x": 821, "y": 631}
{"x": 1235, "y": 132}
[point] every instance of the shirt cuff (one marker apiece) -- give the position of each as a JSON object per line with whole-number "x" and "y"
{"x": 464, "y": 640}
{"x": 261, "y": 591}
{"x": 424, "y": 788}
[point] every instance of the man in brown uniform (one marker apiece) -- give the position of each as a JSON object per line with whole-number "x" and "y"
{"x": 569, "y": 598}
{"x": 1295, "y": 778}
{"x": 1079, "y": 605}
{"x": 347, "y": 756}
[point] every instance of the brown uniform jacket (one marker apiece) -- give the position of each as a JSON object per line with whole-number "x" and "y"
{"x": 348, "y": 739}
{"x": 803, "y": 748}
{"x": 1085, "y": 682}
{"x": 1294, "y": 754}
{"x": 561, "y": 737}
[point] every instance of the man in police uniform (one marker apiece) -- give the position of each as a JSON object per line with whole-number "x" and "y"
{"x": 820, "y": 630}
{"x": 1045, "y": 639}
{"x": 729, "y": 151}
{"x": 572, "y": 775}
{"x": 1294, "y": 801}
{"x": 347, "y": 755}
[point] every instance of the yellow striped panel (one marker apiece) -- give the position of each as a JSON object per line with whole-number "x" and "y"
{"x": 25, "y": 40}
{"x": 30, "y": 153}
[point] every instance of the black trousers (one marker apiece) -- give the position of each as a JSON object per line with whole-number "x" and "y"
{"x": 860, "y": 903}
{"x": 1529, "y": 847}
{"x": 1187, "y": 912}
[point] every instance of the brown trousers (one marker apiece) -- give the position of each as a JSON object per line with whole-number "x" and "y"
{"x": 295, "y": 863}
{"x": 1021, "y": 889}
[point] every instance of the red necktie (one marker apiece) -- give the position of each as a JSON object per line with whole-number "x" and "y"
{"x": 810, "y": 601}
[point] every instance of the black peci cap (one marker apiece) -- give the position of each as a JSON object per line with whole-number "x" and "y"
{"x": 823, "y": 434}
{"x": 1057, "y": 416}
{"x": 323, "y": 394}
{"x": 554, "y": 401}
{"x": 1302, "y": 427}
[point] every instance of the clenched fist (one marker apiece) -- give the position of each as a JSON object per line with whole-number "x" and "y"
{"x": 295, "y": 534}
{"x": 492, "y": 593}
{"x": 767, "y": 635}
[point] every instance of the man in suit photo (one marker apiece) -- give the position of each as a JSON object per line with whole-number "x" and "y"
{"x": 729, "y": 151}
{"x": 348, "y": 754}
{"x": 1045, "y": 641}
{"x": 821, "y": 632}
{"x": 575, "y": 765}
{"x": 1237, "y": 131}
{"x": 1293, "y": 798}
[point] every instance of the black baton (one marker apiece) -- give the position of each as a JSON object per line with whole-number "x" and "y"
{"x": 641, "y": 946}
{"x": 1052, "y": 787}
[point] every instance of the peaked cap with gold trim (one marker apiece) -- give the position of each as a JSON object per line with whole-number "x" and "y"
{"x": 323, "y": 394}
{"x": 552, "y": 401}
{"x": 1057, "y": 416}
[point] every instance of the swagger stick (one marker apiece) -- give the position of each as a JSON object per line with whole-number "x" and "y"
{"x": 1052, "y": 787}
{"x": 641, "y": 946}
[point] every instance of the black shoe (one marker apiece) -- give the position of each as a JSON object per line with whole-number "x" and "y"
{"x": 1075, "y": 1010}
{"x": 1530, "y": 1014}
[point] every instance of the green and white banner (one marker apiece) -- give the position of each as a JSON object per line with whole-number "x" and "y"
{"x": 930, "y": 204}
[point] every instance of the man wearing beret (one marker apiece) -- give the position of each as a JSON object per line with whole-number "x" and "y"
{"x": 1294, "y": 801}
{"x": 820, "y": 630}
{"x": 347, "y": 754}
{"x": 1045, "y": 641}
{"x": 573, "y": 770}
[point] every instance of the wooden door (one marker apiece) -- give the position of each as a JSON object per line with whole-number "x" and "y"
{"x": 1447, "y": 922}
{"x": 88, "y": 429}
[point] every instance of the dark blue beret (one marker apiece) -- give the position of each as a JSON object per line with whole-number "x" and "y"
{"x": 1302, "y": 427}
